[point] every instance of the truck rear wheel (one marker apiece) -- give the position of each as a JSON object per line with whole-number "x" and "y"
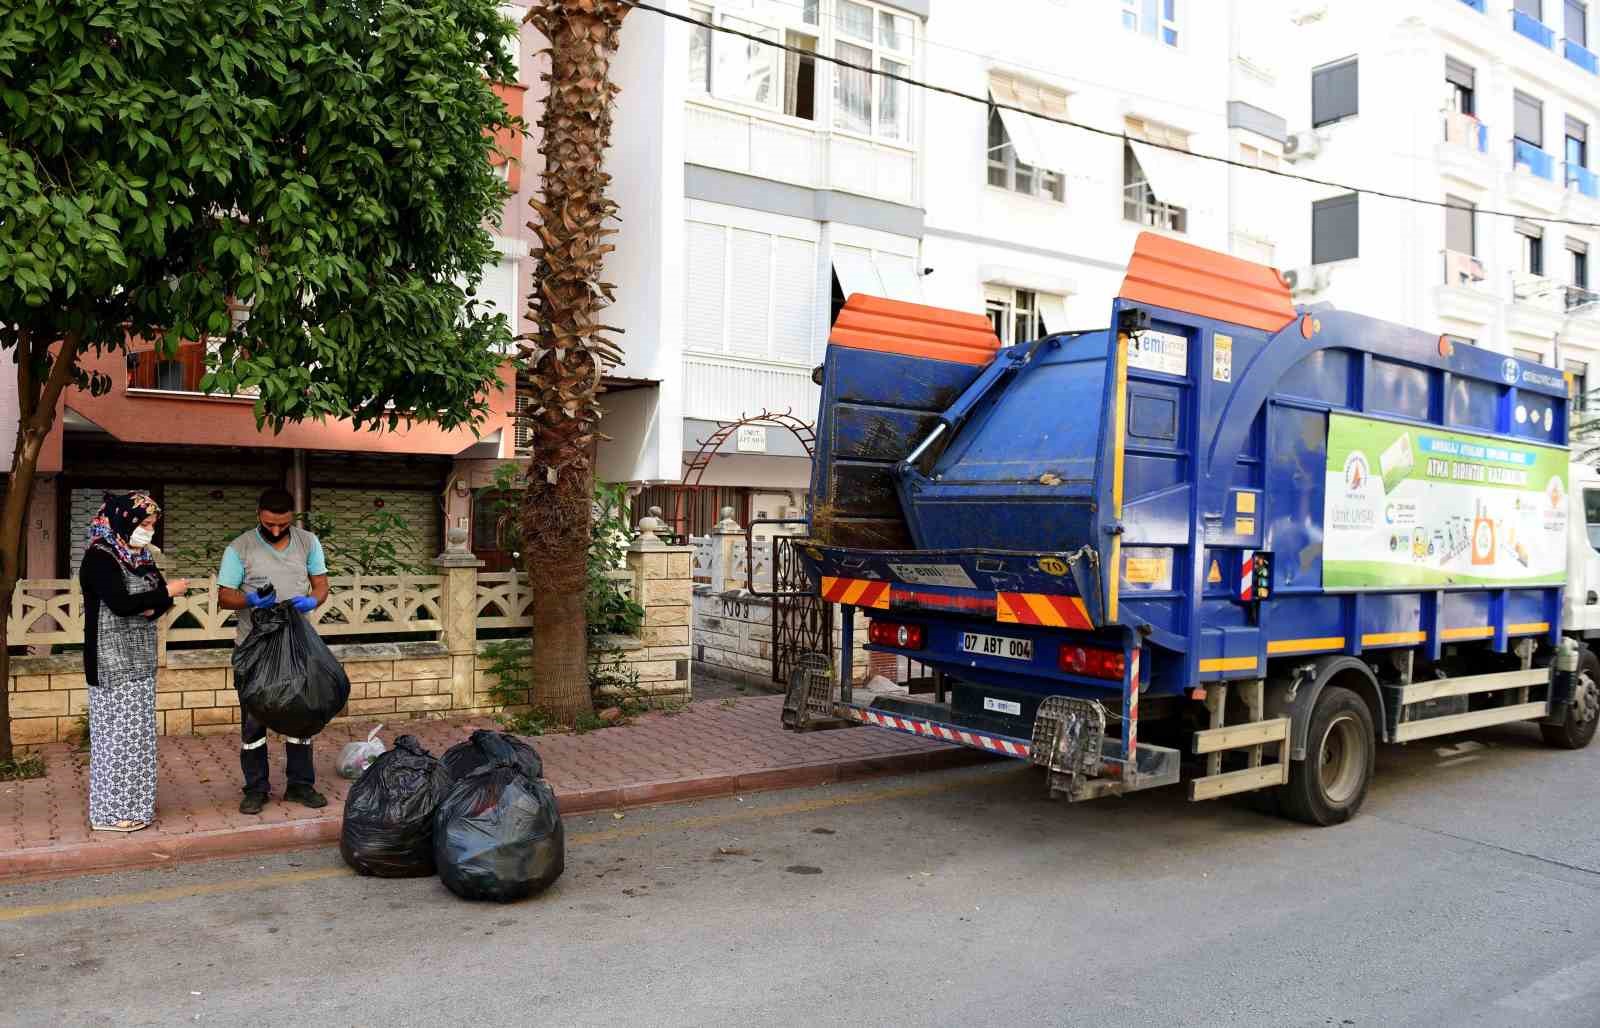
{"x": 1583, "y": 713}
{"x": 1329, "y": 786}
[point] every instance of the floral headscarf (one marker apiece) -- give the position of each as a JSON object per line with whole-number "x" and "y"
{"x": 112, "y": 527}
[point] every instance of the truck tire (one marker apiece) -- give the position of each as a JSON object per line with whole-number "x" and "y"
{"x": 1329, "y": 786}
{"x": 1583, "y": 713}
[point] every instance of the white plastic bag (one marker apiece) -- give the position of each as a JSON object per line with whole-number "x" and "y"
{"x": 355, "y": 757}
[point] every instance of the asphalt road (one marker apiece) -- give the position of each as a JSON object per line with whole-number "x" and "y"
{"x": 1467, "y": 892}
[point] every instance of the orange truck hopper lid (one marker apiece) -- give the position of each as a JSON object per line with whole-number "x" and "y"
{"x": 1183, "y": 277}
{"x": 913, "y": 330}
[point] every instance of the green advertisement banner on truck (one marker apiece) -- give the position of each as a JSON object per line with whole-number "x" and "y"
{"x": 1413, "y": 505}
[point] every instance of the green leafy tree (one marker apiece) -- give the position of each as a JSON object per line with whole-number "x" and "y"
{"x": 324, "y": 165}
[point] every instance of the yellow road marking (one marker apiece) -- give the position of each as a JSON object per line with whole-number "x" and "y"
{"x": 287, "y": 878}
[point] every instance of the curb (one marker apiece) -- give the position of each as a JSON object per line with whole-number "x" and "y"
{"x": 129, "y": 854}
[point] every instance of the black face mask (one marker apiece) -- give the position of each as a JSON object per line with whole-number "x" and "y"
{"x": 272, "y": 535}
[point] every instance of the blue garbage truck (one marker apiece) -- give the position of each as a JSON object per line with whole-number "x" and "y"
{"x": 1223, "y": 540}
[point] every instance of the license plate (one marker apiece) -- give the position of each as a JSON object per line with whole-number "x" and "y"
{"x": 997, "y": 646}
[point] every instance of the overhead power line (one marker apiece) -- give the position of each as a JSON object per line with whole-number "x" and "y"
{"x": 988, "y": 102}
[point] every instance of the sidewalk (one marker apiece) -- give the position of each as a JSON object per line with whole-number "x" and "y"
{"x": 713, "y": 748}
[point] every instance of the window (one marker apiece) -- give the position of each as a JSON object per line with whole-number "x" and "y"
{"x": 1460, "y": 226}
{"x": 873, "y": 105}
{"x": 1152, "y": 176}
{"x": 1333, "y": 93}
{"x": 1024, "y": 153}
{"x": 1023, "y": 315}
{"x": 750, "y": 293}
{"x": 1528, "y": 124}
{"x": 1536, "y": 356}
{"x": 1335, "y": 229}
{"x": 1462, "y": 81}
{"x": 1577, "y": 376}
{"x": 1532, "y": 8}
{"x": 1461, "y": 341}
{"x": 1157, "y": 19}
{"x": 1577, "y": 150}
{"x": 1579, "y": 255}
{"x": 1577, "y": 23}
{"x": 700, "y": 51}
{"x": 732, "y": 68}
{"x": 1591, "y": 515}
{"x": 1530, "y": 242}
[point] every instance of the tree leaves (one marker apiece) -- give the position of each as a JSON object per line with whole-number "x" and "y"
{"x": 159, "y": 160}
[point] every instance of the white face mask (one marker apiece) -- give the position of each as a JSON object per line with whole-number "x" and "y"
{"x": 141, "y": 537}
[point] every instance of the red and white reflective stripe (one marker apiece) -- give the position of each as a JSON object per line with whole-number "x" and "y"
{"x": 1133, "y": 706}
{"x": 1247, "y": 576}
{"x": 932, "y": 730}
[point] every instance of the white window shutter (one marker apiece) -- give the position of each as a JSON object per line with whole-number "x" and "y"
{"x": 750, "y": 293}
{"x": 705, "y": 282}
{"x": 794, "y": 300}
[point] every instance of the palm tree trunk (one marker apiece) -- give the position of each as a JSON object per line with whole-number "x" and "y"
{"x": 564, "y": 360}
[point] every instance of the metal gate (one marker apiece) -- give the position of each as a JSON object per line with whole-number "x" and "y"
{"x": 802, "y": 622}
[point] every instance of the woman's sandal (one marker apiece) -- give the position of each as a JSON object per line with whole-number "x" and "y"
{"x": 122, "y": 826}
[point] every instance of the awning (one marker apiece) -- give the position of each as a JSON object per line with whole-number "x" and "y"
{"x": 1052, "y": 311}
{"x": 1040, "y": 143}
{"x": 857, "y": 273}
{"x": 1167, "y": 172}
{"x": 899, "y": 275}
{"x": 891, "y": 276}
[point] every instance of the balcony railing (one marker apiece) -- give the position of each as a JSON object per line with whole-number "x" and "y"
{"x": 1534, "y": 159}
{"x": 1534, "y": 29}
{"x": 1581, "y": 56}
{"x": 181, "y": 374}
{"x": 1587, "y": 182}
{"x": 1466, "y": 130}
{"x": 1578, "y": 297}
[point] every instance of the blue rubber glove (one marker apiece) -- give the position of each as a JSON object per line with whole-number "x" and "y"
{"x": 304, "y": 604}
{"x": 257, "y": 601}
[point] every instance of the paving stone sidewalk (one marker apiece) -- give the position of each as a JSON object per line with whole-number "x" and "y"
{"x": 712, "y": 748}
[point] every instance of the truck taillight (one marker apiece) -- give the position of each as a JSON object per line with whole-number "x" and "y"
{"x": 887, "y": 633}
{"x": 1095, "y": 663}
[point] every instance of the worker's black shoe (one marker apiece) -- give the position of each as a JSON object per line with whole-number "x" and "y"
{"x": 252, "y": 802}
{"x": 306, "y": 796}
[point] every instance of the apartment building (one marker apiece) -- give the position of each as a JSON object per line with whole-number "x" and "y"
{"x": 1487, "y": 107}
{"x": 761, "y": 187}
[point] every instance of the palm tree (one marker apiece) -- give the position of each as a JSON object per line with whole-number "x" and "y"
{"x": 567, "y": 355}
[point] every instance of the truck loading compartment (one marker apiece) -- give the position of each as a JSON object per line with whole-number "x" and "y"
{"x": 1270, "y": 535}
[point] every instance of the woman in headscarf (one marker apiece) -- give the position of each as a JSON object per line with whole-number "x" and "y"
{"x": 124, "y": 596}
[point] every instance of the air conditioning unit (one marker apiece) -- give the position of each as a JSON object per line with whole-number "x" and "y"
{"x": 1301, "y": 145}
{"x": 1305, "y": 280}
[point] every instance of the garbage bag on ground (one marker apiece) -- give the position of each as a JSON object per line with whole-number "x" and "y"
{"x": 388, "y": 815}
{"x": 286, "y": 676}
{"x": 357, "y": 756}
{"x": 498, "y": 835}
{"x": 466, "y": 757}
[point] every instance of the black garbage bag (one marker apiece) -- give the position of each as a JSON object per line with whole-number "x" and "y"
{"x": 498, "y": 835}
{"x": 388, "y": 816}
{"x": 286, "y": 676}
{"x": 466, "y": 757}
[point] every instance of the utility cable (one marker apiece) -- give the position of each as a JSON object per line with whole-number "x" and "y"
{"x": 988, "y": 102}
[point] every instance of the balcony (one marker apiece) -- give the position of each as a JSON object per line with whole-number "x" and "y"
{"x": 1582, "y": 57}
{"x": 149, "y": 371}
{"x": 1578, "y": 300}
{"x": 1462, "y": 295}
{"x": 1586, "y": 181}
{"x": 773, "y": 146}
{"x": 1526, "y": 155}
{"x": 1464, "y": 154}
{"x": 1534, "y": 29}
